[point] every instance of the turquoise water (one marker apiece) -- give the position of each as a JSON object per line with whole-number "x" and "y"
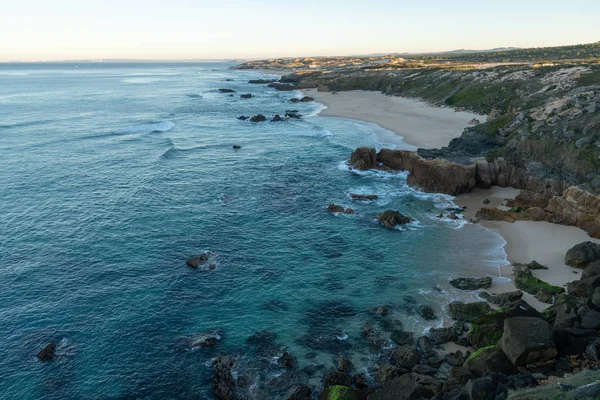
{"x": 112, "y": 175}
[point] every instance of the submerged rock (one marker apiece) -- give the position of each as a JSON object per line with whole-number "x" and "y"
{"x": 502, "y": 299}
{"x": 235, "y": 146}
{"x": 261, "y": 81}
{"x": 195, "y": 262}
{"x": 226, "y": 90}
{"x": 293, "y": 115}
{"x": 206, "y": 339}
{"x": 391, "y": 219}
{"x": 427, "y": 312}
{"x": 47, "y": 353}
{"x": 277, "y": 118}
{"x": 243, "y": 117}
{"x": 246, "y": 96}
{"x": 472, "y": 283}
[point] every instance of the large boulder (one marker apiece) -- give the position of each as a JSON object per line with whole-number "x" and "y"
{"x": 472, "y": 283}
{"x": 258, "y": 118}
{"x": 364, "y": 158}
{"x": 487, "y": 360}
{"x": 405, "y": 387}
{"x": 487, "y": 329}
{"x": 527, "y": 340}
{"x": 334, "y": 208}
{"x": 583, "y": 254}
{"x": 502, "y": 299}
{"x": 483, "y": 389}
{"x": 391, "y": 219}
{"x": 527, "y": 198}
{"x": 591, "y": 320}
{"x": 592, "y": 269}
{"x": 466, "y": 311}
{"x": 583, "y": 287}
{"x": 442, "y": 335}
{"x": 406, "y": 356}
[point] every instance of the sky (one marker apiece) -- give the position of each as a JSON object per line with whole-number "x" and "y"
{"x": 35, "y": 30}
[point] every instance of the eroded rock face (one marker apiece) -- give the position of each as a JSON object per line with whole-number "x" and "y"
{"x": 364, "y": 158}
{"x": 432, "y": 176}
{"x": 527, "y": 340}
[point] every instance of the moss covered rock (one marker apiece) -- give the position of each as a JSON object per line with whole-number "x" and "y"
{"x": 467, "y": 311}
{"x": 339, "y": 392}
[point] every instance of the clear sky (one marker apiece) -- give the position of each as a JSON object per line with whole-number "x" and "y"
{"x": 186, "y": 29}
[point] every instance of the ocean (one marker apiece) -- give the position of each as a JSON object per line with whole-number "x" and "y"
{"x": 112, "y": 175}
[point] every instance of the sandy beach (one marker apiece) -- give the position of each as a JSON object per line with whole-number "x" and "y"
{"x": 419, "y": 123}
{"x": 526, "y": 241}
{"x": 427, "y": 126}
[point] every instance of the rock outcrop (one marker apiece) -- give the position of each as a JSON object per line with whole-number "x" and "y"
{"x": 472, "y": 283}
{"x": 224, "y": 384}
{"x": 391, "y": 219}
{"x": 583, "y": 254}
{"x": 527, "y": 340}
{"x": 258, "y": 118}
{"x": 364, "y": 158}
{"x": 47, "y": 353}
{"x": 334, "y": 208}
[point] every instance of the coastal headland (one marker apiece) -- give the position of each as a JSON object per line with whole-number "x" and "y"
{"x": 525, "y": 166}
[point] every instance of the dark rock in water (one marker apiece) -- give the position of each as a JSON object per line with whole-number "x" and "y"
{"x": 583, "y": 254}
{"x": 291, "y": 111}
{"x": 261, "y": 81}
{"x": 429, "y": 352}
{"x": 242, "y": 117}
{"x": 338, "y": 378}
{"x": 224, "y": 385}
{"x": 364, "y": 158}
{"x": 356, "y": 196}
{"x": 206, "y": 339}
{"x": 299, "y": 393}
{"x": 48, "y": 353}
{"x": 383, "y": 311}
{"x": 405, "y": 356}
{"x": 391, "y": 219}
{"x": 286, "y": 361}
{"x": 472, "y": 283}
{"x": 467, "y": 311}
{"x": 402, "y": 337}
{"x": 195, "y": 262}
{"x": 262, "y": 338}
{"x": 304, "y": 99}
{"x": 375, "y": 339}
{"x": 334, "y": 208}
{"x": 237, "y": 147}
{"x": 442, "y": 335}
{"x": 527, "y": 340}
{"x": 226, "y": 90}
{"x": 487, "y": 360}
{"x": 344, "y": 364}
{"x": 246, "y": 96}
{"x": 427, "y": 313}
{"x": 293, "y": 115}
{"x": 258, "y": 118}
{"x": 275, "y": 305}
{"x": 502, "y": 299}
{"x": 277, "y": 118}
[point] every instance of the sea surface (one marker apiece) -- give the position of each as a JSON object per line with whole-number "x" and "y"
{"x": 113, "y": 175}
